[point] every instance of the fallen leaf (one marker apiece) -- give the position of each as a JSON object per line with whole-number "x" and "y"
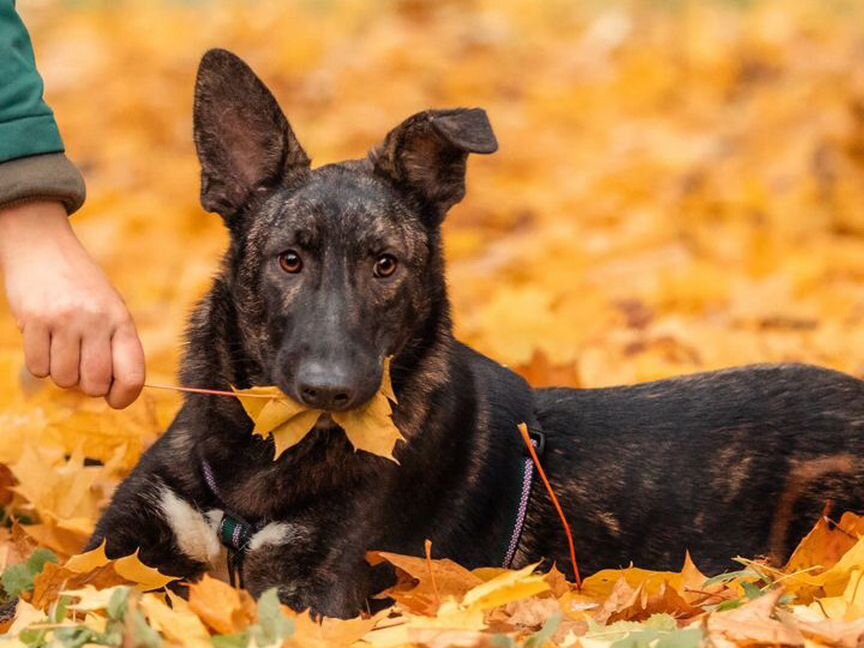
{"x": 826, "y": 543}
{"x": 177, "y": 622}
{"x": 331, "y": 633}
{"x": 90, "y": 598}
{"x": 753, "y": 623}
{"x": 25, "y": 616}
{"x": 423, "y": 583}
{"x": 501, "y": 590}
{"x": 453, "y": 625}
{"x": 223, "y": 608}
{"x": 96, "y": 569}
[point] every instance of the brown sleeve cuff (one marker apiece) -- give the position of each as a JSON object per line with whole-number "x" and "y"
{"x": 42, "y": 177}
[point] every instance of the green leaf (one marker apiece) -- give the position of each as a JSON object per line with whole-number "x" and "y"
{"x": 664, "y": 622}
{"x": 613, "y": 631}
{"x": 686, "y": 638}
{"x": 145, "y": 636}
{"x": 649, "y": 638}
{"x": 730, "y": 576}
{"x": 273, "y": 625}
{"x": 39, "y": 558}
{"x": 539, "y": 639}
{"x": 503, "y": 641}
{"x": 729, "y": 605}
{"x": 786, "y": 600}
{"x": 77, "y": 637}
{"x": 118, "y": 603}
{"x": 61, "y": 608}
{"x": 637, "y": 639}
{"x": 33, "y": 638}
{"x": 18, "y": 579}
{"x": 231, "y": 641}
{"x": 658, "y": 631}
{"x": 751, "y": 590}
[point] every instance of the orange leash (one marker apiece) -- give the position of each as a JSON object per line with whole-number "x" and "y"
{"x": 523, "y": 430}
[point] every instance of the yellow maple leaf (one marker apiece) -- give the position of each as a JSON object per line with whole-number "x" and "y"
{"x": 331, "y": 632}
{"x": 453, "y": 625}
{"x": 66, "y": 495}
{"x": 600, "y": 585}
{"x": 90, "y": 598}
{"x": 371, "y": 427}
{"x": 57, "y": 489}
{"x": 130, "y": 568}
{"x": 832, "y": 581}
{"x": 94, "y": 568}
{"x": 753, "y": 624}
{"x": 275, "y": 412}
{"x": 826, "y": 543}
{"x": 505, "y": 588}
{"x": 277, "y": 415}
{"x": 424, "y": 583}
{"x": 180, "y": 625}
{"x": 221, "y": 607}
{"x": 294, "y": 430}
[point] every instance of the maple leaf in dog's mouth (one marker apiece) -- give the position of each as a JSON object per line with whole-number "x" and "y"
{"x": 369, "y": 427}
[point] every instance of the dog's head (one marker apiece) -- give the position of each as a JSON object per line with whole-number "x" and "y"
{"x": 336, "y": 268}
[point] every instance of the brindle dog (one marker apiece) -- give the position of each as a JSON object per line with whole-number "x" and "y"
{"x": 332, "y": 270}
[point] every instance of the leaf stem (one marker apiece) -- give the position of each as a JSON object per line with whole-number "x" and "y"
{"x": 209, "y": 392}
{"x": 428, "y": 547}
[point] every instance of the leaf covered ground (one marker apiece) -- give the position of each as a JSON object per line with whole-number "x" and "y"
{"x": 680, "y": 187}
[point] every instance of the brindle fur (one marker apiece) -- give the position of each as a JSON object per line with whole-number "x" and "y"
{"x": 738, "y": 461}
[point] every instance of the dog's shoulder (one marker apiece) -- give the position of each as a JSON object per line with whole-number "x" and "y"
{"x": 489, "y": 374}
{"x": 499, "y": 389}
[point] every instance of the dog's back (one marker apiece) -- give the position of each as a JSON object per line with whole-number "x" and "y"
{"x": 735, "y": 462}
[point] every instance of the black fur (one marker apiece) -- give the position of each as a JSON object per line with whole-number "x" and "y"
{"x": 735, "y": 461}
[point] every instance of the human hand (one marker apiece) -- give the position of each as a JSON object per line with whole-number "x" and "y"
{"x": 76, "y": 327}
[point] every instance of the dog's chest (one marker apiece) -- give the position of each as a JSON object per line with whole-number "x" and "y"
{"x": 212, "y": 536}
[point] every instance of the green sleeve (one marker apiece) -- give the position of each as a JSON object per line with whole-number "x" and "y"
{"x": 27, "y": 125}
{"x": 32, "y": 163}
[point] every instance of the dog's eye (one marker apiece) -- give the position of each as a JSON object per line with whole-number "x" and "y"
{"x": 291, "y": 262}
{"x": 385, "y": 266}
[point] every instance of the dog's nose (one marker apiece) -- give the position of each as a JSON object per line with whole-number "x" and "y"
{"x": 324, "y": 390}
{"x": 325, "y": 397}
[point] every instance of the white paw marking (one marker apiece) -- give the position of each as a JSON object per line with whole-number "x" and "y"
{"x": 275, "y": 533}
{"x": 195, "y": 533}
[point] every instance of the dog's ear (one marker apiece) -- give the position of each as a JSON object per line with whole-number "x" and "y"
{"x": 426, "y": 154}
{"x": 244, "y": 142}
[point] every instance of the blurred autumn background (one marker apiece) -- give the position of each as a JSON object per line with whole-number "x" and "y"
{"x": 679, "y": 186}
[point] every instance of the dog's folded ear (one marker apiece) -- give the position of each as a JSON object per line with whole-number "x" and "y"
{"x": 244, "y": 142}
{"x": 426, "y": 154}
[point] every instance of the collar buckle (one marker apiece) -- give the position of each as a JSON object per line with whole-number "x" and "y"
{"x": 538, "y": 439}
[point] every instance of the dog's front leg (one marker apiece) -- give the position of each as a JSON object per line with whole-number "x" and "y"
{"x": 312, "y": 567}
{"x": 169, "y": 532}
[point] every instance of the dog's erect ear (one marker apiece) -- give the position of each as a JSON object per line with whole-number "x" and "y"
{"x": 427, "y": 152}
{"x": 244, "y": 142}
